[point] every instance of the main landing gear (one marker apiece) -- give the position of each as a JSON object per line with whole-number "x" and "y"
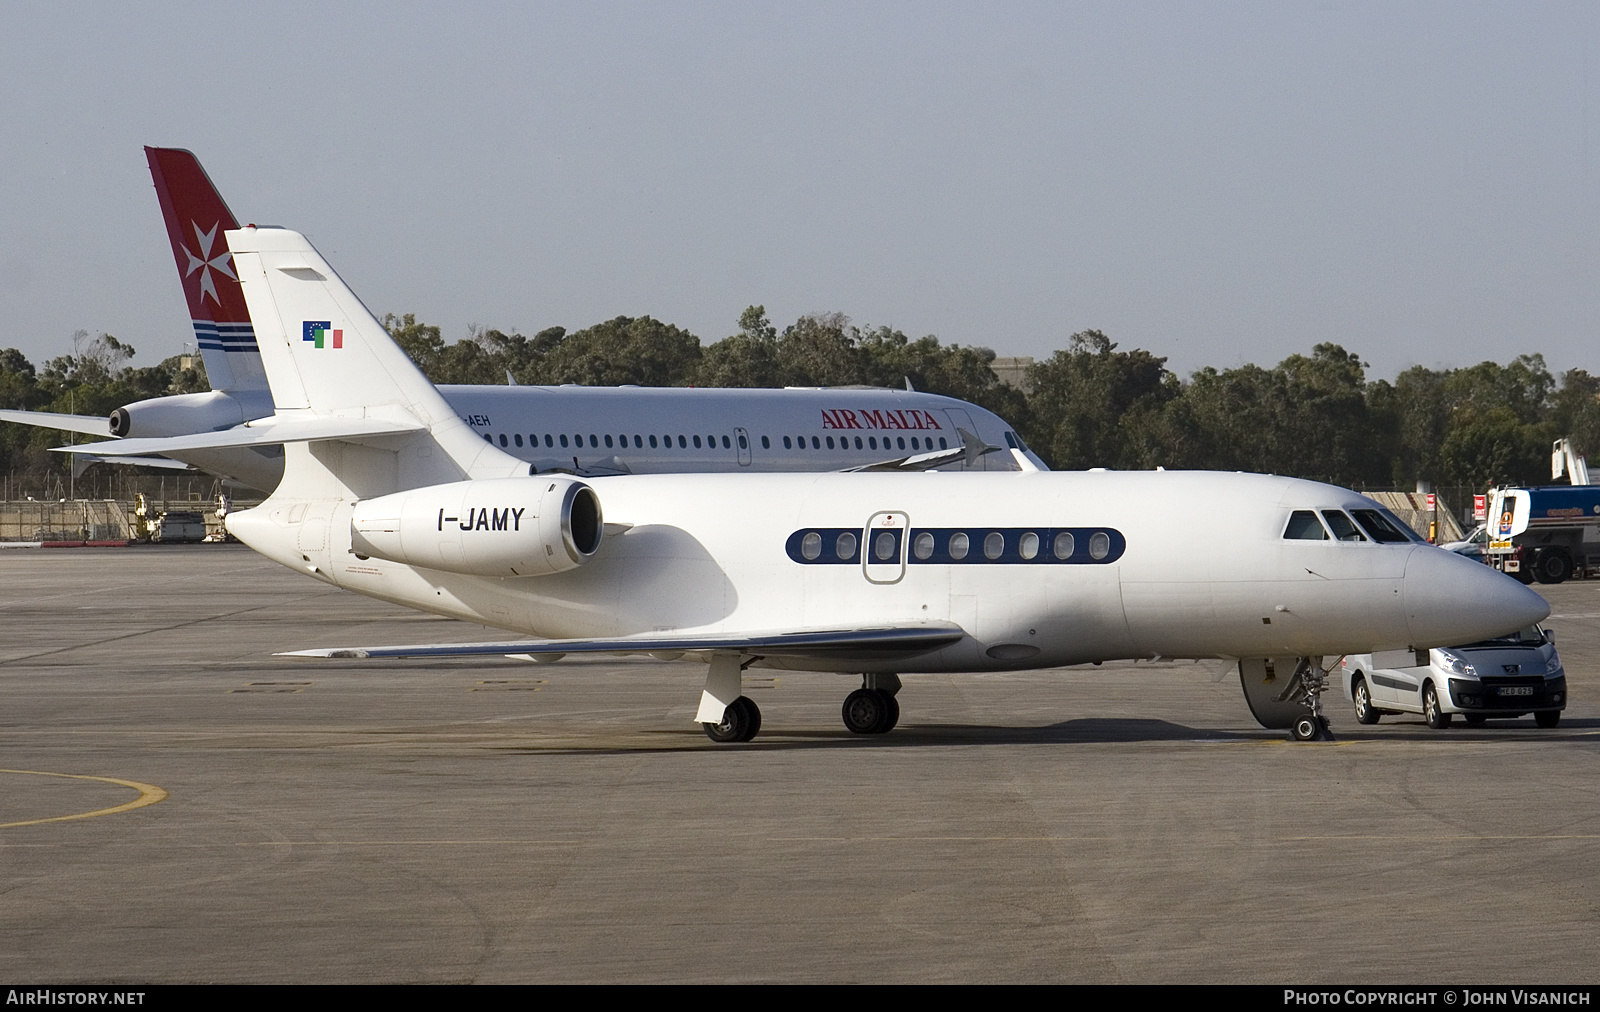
{"x": 872, "y": 709}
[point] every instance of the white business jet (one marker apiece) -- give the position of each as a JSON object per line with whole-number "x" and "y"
{"x": 389, "y": 493}
{"x": 585, "y": 430}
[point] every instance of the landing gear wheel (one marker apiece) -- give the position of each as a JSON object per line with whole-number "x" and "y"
{"x": 1476, "y": 719}
{"x": 869, "y": 711}
{"x": 1310, "y": 728}
{"x": 740, "y": 722}
{"x": 1365, "y": 714}
{"x": 1547, "y": 718}
{"x": 1436, "y": 719}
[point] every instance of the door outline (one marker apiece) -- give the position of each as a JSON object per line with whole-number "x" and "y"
{"x": 741, "y": 438}
{"x": 885, "y": 522}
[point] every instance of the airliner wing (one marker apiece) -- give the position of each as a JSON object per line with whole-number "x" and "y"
{"x": 94, "y": 425}
{"x": 266, "y": 432}
{"x": 971, "y": 449}
{"x": 888, "y": 641}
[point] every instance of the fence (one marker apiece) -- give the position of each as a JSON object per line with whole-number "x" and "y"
{"x": 106, "y": 520}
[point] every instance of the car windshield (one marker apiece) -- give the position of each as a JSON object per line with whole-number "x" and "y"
{"x": 1532, "y": 636}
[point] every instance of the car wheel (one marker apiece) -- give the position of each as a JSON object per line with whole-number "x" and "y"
{"x": 1547, "y": 718}
{"x": 1365, "y": 714}
{"x": 1436, "y": 718}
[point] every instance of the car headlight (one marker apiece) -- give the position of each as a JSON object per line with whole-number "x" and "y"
{"x": 1455, "y": 664}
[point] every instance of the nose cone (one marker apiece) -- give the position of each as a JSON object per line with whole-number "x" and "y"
{"x": 1451, "y": 600}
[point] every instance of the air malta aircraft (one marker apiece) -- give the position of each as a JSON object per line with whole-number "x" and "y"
{"x": 388, "y": 492}
{"x": 586, "y": 430}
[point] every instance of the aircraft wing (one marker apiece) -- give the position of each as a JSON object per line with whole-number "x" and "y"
{"x": 971, "y": 449}
{"x": 94, "y": 425}
{"x": 887, "y": 641}
{"x": 265, "y": 432}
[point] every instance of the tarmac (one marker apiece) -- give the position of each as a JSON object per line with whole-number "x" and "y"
{"x": 178, "y": 805}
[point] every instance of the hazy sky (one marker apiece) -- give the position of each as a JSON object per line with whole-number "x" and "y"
{"x": 1220, "y": 183}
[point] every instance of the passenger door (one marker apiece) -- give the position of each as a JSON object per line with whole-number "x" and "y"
{"x": 883, "y": 549}
{"x": 742, "y": 438}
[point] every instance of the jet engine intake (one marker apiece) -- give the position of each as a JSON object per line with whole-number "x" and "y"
{"x": 489, "y": 527}
{"x": 182, "y": 414}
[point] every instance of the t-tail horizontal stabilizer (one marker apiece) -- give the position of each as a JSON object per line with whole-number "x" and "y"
{"x": 896, "y": 641}
{"x": 273, "y": 431}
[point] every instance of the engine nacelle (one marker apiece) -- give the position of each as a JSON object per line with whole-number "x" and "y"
{"x": 489, "y": 527}
{"x": 181, "y": 414}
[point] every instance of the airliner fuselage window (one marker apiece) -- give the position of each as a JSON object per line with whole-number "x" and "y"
{"x": 1304, "y": 526}
{"x": 1343, "y": 529}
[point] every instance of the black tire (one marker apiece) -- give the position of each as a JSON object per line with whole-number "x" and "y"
{"x": 740, "y": 722}
{"x": 1476, "y": 719}
{"x": 891, "y": 713}
{"x": 1436, "y": 718}
{"x": 1547, "y": 718}
{"x": 1523, "y": 575}
{"x": 1552, "y": 566}
{"x": 865, "y": 710}
{"x": 1305, "y": 729}
{"x": 1366, "y": 713}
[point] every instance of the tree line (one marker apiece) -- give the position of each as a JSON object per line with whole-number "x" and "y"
{"x": 1090, "y": 404}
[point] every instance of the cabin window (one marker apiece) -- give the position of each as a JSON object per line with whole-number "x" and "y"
{"x": 1304, "y": 526}
{"x": 593, "y": 441}
{"x": 811, "y": 545}
{"x": 958, "y": 546}
{"x": 728, "y": 446}
{"x": 1377, "y": 525}
{"x": 941, "y": 444}
{"x": 1064, "y": 546}
{"x": 858, "y": 442}
{"x": 1343, "y": 529}
{"x": 697, "y": 442}
{"x": 638, "y": 441}
{"x": 563, "y": 439}
{"x": 883, "y": 546}
{"x": 914, "y": 445}
{"x": 830, "y": 442}
{"x": 608, "y": 440}
{"x": 488, "y": 439}
{"x": 1099, "y": 545}
{"x": 547, "y": 441}
{"x": 816, "y": 444}
{"x": 786, "y": 444}
{"x": 1028, "y": 546}
{"x": 923, "y": 546}
{"x": 652, "y": 442}
{"x": 766, "y": 444}
{"x": 902, "y": 442}
{"x": 994, "y": 545}
{"x": 683, "y": 441}
{"x": 517, "y": 439}
{"x": 845, "y": 546}
{"x": 872, "y": 441}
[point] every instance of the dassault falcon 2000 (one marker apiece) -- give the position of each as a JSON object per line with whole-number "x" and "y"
{"x": 585, "y": 430}
{"x": 388, "y": 493}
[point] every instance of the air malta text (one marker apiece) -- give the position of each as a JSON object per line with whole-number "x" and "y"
{"x": 909, "y": 418}
{"x": 486, "y": 520}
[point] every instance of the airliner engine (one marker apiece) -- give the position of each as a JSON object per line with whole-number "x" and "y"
{"x": 488, "y": 527}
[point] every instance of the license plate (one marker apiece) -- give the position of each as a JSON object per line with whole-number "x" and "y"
{"x": 1516, "y": 690}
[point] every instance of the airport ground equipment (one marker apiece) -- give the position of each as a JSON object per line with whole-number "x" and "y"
{"x": 1544, "y": 533}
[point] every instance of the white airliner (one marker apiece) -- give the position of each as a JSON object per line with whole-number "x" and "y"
{"x": 389, "y": 493}
{"x": 587, "y": 430}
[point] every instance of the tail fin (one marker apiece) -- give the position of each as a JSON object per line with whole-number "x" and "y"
{"x": 326, "y": 356}
{"x": 196, "y": 218}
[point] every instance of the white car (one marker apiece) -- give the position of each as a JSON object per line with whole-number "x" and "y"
{"x": 1508, "y": 676}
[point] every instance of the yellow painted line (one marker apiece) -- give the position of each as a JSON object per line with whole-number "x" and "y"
{"x": 149, "y": 794}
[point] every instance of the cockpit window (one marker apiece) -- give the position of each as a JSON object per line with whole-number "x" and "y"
{"x": 1304, "y": 526}
{"x": 1379, "y": 527}
{"x": 1342, "y": 528}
